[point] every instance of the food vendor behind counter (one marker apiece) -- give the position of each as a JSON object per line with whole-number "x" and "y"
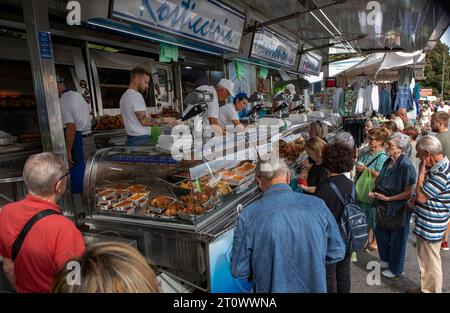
{"x": 228, "y": 114}
{"x": 76, "y": 117}
{"x": 221, "y": 92}
{"x": 142, "y": 129}
{"x": 289, "y": 91}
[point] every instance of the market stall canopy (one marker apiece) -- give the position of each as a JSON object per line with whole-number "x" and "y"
{"x": 383, "y": 66}
{"x": 366, "y": 26}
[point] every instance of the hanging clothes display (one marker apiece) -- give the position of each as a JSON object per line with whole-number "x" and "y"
{"x": 359, "y": 107}
{"x": 335, "y": 98}
{"x": 361, "y": 82}
{"x": 355, "y": 126}
{"x": 404, "y": 99}
{"x": 385, "y": 102}
{"x": 371, "y": 99}
{"x": 416, "y": 95}
{"x": 405, "y": 76}
{"x": 349, "y": 101}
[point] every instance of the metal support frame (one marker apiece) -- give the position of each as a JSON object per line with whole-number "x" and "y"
{"x": 44, "y": 81}
{"x": 331, "y": 44}
{"x": 289, "y": 17}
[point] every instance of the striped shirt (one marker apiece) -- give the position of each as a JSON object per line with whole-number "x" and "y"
{"x": 432, "y": 217}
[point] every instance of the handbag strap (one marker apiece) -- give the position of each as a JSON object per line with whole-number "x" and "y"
{"x": 373, "y": 160}
{"x": 368, "y": 164}
{"x": 26, "y": 229}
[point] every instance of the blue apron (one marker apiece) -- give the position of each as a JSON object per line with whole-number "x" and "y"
{"x": 77, "y": 172}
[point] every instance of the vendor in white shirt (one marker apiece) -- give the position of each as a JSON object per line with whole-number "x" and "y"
{"x": 221, "y": 92}
{"x": 139, "y": 126}
{"x": 76, "y": 118}
{"x": 228, "y": 114}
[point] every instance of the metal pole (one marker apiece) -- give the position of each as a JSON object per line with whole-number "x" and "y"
{"x": 44, "y": 81}
{"x": 443, "y": 72}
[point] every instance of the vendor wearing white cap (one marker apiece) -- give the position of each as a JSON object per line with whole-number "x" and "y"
{"x": 289, "y": 90}
{"x": 221, "y": 92}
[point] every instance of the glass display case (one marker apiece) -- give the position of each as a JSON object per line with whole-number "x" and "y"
{"x": 145, "y": 184}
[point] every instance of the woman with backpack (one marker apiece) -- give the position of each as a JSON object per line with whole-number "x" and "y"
{"x": 371, "y": 162}
{"x": 338, "y": 159}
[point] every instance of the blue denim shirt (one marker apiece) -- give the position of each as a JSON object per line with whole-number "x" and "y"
{"x": 392, "y": 181}
{"x": 283, "y": 241}
{"x": 404, "y": 99}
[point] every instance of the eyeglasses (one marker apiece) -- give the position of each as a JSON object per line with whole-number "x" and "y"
{"x": 66, "y": 174}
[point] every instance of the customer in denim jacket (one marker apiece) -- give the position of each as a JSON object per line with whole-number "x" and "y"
{"x": 395, "y": 186}
{"x": 284, "y": 240}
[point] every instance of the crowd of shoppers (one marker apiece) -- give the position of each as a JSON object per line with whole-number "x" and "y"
{"x": 284, "y": 242}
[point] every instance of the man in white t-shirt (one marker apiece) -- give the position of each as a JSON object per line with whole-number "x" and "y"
{"x": 76, "y": 118}
{"x": 443, "y": 107}
{"x": 221, "y": 92}
{"x": 134, "y": 111}
{"x": 228, "y": 114}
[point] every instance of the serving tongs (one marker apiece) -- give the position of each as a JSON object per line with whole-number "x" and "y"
{"x": 170, "y": 186}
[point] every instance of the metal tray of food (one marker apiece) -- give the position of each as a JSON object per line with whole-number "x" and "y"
{"x": 123, "y": 205}
{"x": 105, "y": 195}
{"x": 138, "y": 197}
{"x": 104, "y": 206}
{"x": 245, "y": 170}
{"x": 165, "y": 202}
{"x": 136, "y": 188}
{"x": 175, "y": 179}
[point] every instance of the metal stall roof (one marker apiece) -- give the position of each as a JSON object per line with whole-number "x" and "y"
{"x": 366, "y": 26}
{"x": 383, "y": 66}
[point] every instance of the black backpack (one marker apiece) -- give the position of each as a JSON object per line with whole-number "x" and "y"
{"x": 352, "y": 222}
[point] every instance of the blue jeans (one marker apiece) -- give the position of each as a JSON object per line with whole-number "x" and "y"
{"x": 143, "y": 140}
{"x": 392, "y": 246}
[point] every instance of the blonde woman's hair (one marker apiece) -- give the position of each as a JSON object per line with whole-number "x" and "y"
{"x": 109, "y": 267}
{"x": 316, "y": 145}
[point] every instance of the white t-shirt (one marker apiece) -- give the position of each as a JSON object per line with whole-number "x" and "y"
{"x": 213, "y": 106}
{"x": 74, "y": 109}
{"x": 443, "y": 109}
{"x": 227, "y": 114}
{"x": 131, "y": 102}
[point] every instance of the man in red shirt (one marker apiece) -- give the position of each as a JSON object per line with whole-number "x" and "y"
{"x": 52, "y": 240}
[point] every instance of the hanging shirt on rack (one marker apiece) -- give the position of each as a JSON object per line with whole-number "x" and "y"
{"x": 359, "y": 109}
{"x": 416, "y": 95}
{"x": 349, "y": 101}
{"x": 336, "y": 97}
{"x": 385, "y": 102}
{"x": 404, "y": 99}
{"x": 371, "y": 99}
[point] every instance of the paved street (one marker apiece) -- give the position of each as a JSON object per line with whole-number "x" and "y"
{"x": 411, "y": 279}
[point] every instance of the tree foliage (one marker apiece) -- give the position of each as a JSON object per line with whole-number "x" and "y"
{"x": 433, "y": 70}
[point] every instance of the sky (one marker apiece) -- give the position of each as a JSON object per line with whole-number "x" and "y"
{"x": 446, "y": 37}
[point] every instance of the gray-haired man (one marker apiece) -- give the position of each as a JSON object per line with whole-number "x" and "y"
{"x": 284, "y": 239}
{"x": 35, "y": 239}
{"x": 432, "y": 210}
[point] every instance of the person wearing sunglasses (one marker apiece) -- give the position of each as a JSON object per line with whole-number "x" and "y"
{"x": 36, "y": 240}
{"x": 372, "y": 161}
